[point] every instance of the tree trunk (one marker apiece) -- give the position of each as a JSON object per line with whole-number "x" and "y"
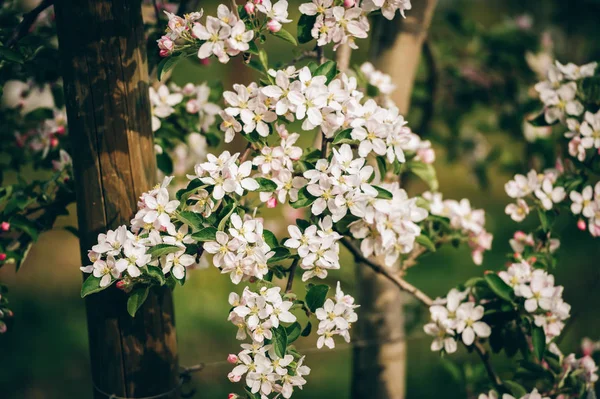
{"x": 379, "y": 367}
{"x": 102, "y": 47}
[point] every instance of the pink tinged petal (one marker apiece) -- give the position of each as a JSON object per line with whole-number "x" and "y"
{"x": 205, "y": 50}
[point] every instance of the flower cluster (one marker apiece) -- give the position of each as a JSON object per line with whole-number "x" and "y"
{"x": 494, "y": 395}
{"x": 453, "y": 316}
{"x": 541, "y": 187}
{"x": 224, "y": 36}
{"x": 344, "y": 23}
{"x": 541, "y": 297}
{"x": 470, "y": 222}
{"x": 317, "y": 248}
{"x": 243, "y": 252}
{"x": 267, "y": 370}
{"x": 335, "y": 318}
{"x": 586, "y": 204}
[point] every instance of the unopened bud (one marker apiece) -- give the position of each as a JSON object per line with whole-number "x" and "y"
{"x": 231, "y": 358}
{"x": 232, "y": 396}
{"x": 272, "y": 202}
{"x": 349, "y": 3}
{"x": 233, "y": 377}
{"x": 164, "y": 53}
{"x": 5, "y": 226}
{"x": 581, "y": 225}
{"x": 205, "y": 61}
{"x": 53, "y": 142}
{"x": 2, "y": 257}
{"x": 60, "y": 130}
{"x": 249, "y": 7}
{"x": 273, "y": 26}
{"x": 3, "y": 327}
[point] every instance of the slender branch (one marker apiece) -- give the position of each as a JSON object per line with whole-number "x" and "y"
{"x": 288, "y": 286}
{"x": 304, "y": 55}
{"x": 320, "y": 54}
{"x": 412, "y": 258}
{"x": 246, "y": 153}
{"x": 27, "y": 22}
{"x": 397, "y": 280}
{"x": 424, "y": 299}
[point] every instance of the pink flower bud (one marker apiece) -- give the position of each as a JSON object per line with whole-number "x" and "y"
{"x": 192, "y": 107}
{"x": 532, "y": 260}
{"x": 349, "y": 3}
{"x": 163, "y": 53}
{"x": 581, "y": 225}
{"x": 205, "y": 61}
{"x": 5, "y": 226}
{"x": 166, "y": 46}
{"x": 519, "y": 235}
{"x": 231, "y": 358}
{"x": 234, "y": 378}
{"x": 122, "y": 284}
{"x": 188, "y": 89}
{"x": 258, "y": 2}
{"x": 53, "y": 142}
{"x": 2, "y": 257}
{"x": 60, "y": 130}
{"x": 272, "y": 202}
{"x": 273, "y": 26}
{"x": 426, "y": 155}
{"x": 232, "y": 396}
{"x": 249, "y": 7}
{"x": 3, "y": 327}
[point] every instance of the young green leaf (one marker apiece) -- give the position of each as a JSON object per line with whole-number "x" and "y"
{"x": 281, "y": 253}
{"x": 304, "y": 199}
{"x": 538, "y": 339}
{"x": 285, "y": 35}
{"x": 280, "y": 341}
{"x": 163, "y": 249}
{"x": 91, "y": 285}
{"x": 315, "y": 297}
{"x": 293, "y": 332}
{"x": 156, "y": 274}
{"x": 270, "y": 239}
{"x": 327, "y": 69}
{"x": 305, "y": 25}
{"x": 426, "y": 172}
{"x": 206, "y": 234}
{"x": 166, "y": 64}
{"x": 192, "y": 219}
{"x": 343, "y": 137}
{"x": 499, "y": 287}
{"x": 137, "y": 297}
{"x": 383, "y": 193}
{"x": 265, "y": 185}
{"x": 426, "y": 242}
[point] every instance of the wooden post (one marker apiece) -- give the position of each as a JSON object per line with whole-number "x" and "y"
{"x": 379, "y": 368}
{"x": 103, "y": 51}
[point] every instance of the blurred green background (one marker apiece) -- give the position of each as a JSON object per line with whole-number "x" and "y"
{"x": 45, "y": 353}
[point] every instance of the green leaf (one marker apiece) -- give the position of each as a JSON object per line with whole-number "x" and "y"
{"x": 264, "y": 60}
{"x": 166, "y": 64}
{"x": 252, "y": 49}
{"x": 270, "y": 239}
{"x": 251, "y": 395}
{"x": 91, "y": 285}
{"x": 279, "y": 341}
{"x": 426, "y": 172}
{"x": 499, "y": 287}
{"x": 315, "y": 297}
{"x": 156, "y": 274}
{"x": 137, "y": 297}
{"x": 11, "y": 55}
{"x": 304, "y": 199}
{"x": 293, "y": 332}
{"x": 163, "y": 249}
{"x": 281, "y": 253}
{"x": 164, "y": 163}
{"x": 285, "y": 35}
{"x": 265, "y": 185}
{"x": 307, "y": 330}
{"x": 546, "y": 219}
{"x": 538, "y": 338}
{"x": 192, "y": 219}
{"x": 305, "y": 25}
{"x": 229, "y": 211}
{"x": 206, "y": 234}
{"x": 426, "y": 242}
{"x": 343, "y": 137}
{"x": 382, "y": 193}
{"x": 25, "y": 225}
{"x": 516, "y": 389}
{"x": 328, "y": 69}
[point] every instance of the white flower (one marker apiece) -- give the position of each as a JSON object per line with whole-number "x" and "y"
{"x": 111, "y": 242}
{"x": 517, "y": 212}
{"x": 160, "y": 208}
{"x": 316, "y": 7}
{"x": 372, "y": 138}
{"x": 135, "y": 257}
{"x": 163, "y": 101}
{"x": 444, "y": 337}
{"x": 469, "y": 324}
{"x": 230, "y": 126}
{"x": 277, "y": 11}
{"x": 301, "y": 241}
{"x": 240, "y": 37}
{"x": 539, "y": 292}
{"x": 106, "y": 270}
{"x": 214, "y": 33}
{"x": 590, "y": 130}
{"x": 223, "y": 248}
{"x": 257, "y": 119}
{"x": 177, "y": 262}
{"x": 549, "y": 195}
{"x": 238, "y": 179}
{"x": 582, "y": 202}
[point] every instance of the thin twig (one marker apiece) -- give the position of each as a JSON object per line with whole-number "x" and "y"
{"x": 288, "y": 286}
{"x": 424, "y": 299}
{"x": 304, "y": 55}
{"x": 28, "y": 20}
{"x": 246, "y": 153}
{"x": 412, "y": 258}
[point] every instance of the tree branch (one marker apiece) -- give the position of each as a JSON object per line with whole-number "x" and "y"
{"x": 27, "y": 22}
{"x": 424, "y": 299}
{"x": 344, "y": 53}
{"x": 288, "y": 286}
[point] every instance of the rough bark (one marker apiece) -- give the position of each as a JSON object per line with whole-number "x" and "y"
{"x": 102, "y": 47}
{"x": 379, "y": 369}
